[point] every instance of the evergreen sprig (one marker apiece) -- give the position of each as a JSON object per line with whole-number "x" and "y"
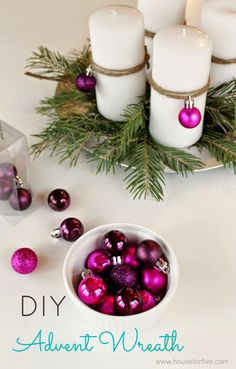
{"x": 75, "y": 124}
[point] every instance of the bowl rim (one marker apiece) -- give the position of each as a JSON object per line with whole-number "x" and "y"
{"x": 75, "y": 299}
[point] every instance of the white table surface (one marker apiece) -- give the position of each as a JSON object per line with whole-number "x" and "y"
{"x": 197, "y": 218}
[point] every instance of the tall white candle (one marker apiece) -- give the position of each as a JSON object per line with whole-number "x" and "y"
{"x": 193, "y": 12}
{"x": 219, "y": 21}
{"x": 159, "y": 14}
{"x": 181, "y": 63}
{"x": 117, "y": 42}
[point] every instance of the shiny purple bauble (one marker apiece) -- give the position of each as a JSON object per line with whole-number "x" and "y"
{"x": 59, "y": 200}
{"x": 129, "y": 256}
{"x": 123, "y": 276}
{"x": 115, "y": 242}
{"x": 85, "y": 83}
{"x": 20, "y": 199}
{"x": 190, "y": 118}
{"x": 128, "y": 301}
{"x": 7, "y": 170}
{"x": 6, "y": 187}
{"x": 148, "y": 252}
{"x": 153, "y": 279}
{"x": 107, "y": 306}
{"x": 24, "y": 260}
{"x": 71, "y": 229}
{"x": 98, "y": 261}
{"x": 148, "y": 301}
{"x": 92, "y": 290}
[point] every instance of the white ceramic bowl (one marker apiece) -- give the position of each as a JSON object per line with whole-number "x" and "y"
{"x": 74, "y": 264}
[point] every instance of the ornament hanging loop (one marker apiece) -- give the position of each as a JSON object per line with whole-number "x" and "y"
{"x": 163, "y": 266}
{"x": 86, "y": 273}
{"x": 90, "y": 71}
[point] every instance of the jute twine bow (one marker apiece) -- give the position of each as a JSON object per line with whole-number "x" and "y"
{"x": 181, "y": 95}
{"x": 121, "y": 72}
{"x": 216, "y": 60}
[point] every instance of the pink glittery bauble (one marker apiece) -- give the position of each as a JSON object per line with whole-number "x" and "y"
{"x": 98, "y": 261}
{"x": 148, "y": 301}
{"x": 129, "y": 256}
{"x": 24, "y": 260}
{"x": 107, "y": 306}
{"x": 121, "y": 276}
{"x": 153, "y": 279}
{"x": 190, "y": 118}
{"x": 85, "y": 83}
{"x": 91, "y": 290}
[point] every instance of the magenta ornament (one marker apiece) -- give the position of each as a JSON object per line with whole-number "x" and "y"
{"x": 153, "y": 279}
{"x": 129, "y": 256}
{"x": 7, "y": 170}
{"x": 71, "y": 229}
{"x": 148, "y": 301}
{"x": 98, "y": 261}
{"x": 115, "y": 242}
{"x": 128, "y": 301}
{"x": 189, "y": 116}
{"x": 20, "y": 199}
{"x": 6, "y": 187}
{"x": 122, "y": 276}
{"x": 107, "y": 306}
{"x": 59, "y": 199}
{"x": 92, "y": 290}
{"x": 85, "y": 83}
{"x": 148, "y": 252}
{"x": 24, "y": 260}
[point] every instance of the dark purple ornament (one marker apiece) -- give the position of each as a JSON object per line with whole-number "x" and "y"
{"x": 59, "y": 200}
{"x": 123, "y": 276}
{"x": 7, "y": 170}
{"x": 6, "y": 187}
{"x": 92, "y": 290}
{"x": 129, "y": 256}
{"x": 148, "y": 252}
{"x": 128, "y": 301}
{"x": 85, "y": 83}
{"x": 148, "y": 300}
{"x": 115, "y": 242}
{"x": 71, "y": 229}
{"x": 20, "y": 199}
{"x": 153, "y": 280}
{"x": 98, "y": 261}
{"x": 107, "y": 306}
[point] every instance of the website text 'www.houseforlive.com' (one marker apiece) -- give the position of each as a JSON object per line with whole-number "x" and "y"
{"x": 193, "y": 362}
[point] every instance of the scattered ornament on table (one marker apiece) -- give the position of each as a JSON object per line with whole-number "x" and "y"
{"x": 107, "y": 306}
{"x": 123, "y": 276}
{"x": 6, "y": 187}
{"x": 91, "y": 289}
{"x": 59, "y": 200}
{"x": 148, "y": 301}
{"x": 128, "y": 301}
{"x": 153, "y": 280}
{"x": 189, "y": 116}
{"x": 86, "y": 82}
{"x": 7, "y": 170}
{"x": 98, "y": 261}
{"x": 149, "y": 253}
{"x": 20, "y": 199}
{"x": 70, "y": 230}
{"x": 24, "y": 260}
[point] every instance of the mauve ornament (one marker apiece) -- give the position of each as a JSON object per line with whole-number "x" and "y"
{"x": 7, "y": 170}
{"x": 6, "y": 187}
{"x": 20, "y": 199}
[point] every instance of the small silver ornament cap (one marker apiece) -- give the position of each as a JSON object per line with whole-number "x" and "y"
{"x": 56, "y": 233}
{"x": 116, "y": 260}
{"x": 163, "y": 266}
{"x": 86, "y": 273}
{"x": 189, "y": 103}
{"x": 89, "y": 71}
{"x": 18, "y": 182}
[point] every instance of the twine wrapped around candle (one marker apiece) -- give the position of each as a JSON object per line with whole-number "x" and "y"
{"x": 121, "y": 72}
{"x": 223, "y": 61}
{"x": 179, "y": 95}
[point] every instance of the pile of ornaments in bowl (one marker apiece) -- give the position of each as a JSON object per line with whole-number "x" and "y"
{"x": 122, "y": 277}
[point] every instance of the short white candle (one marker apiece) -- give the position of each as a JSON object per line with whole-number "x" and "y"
{"x": 181, "y": 63}
{"x": 159, "y": 14}
{"x": 193, "y": 12}
{"x": 219, "y": 21}
{"x": 117, "y": 42}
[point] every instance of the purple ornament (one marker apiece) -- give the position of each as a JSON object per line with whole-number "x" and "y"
{"x": 115, "y": 242}
{"x": 129, "y": 256}
{"x": 123, "y": 276}
{"x": 24, "y": 260}
{"x": 153, "y": 279}
{"x": 59, "y": 200}
{"x": 107, "y": 306}
{"x": 71, "y": 229}
{"x": 148, "y": 301}
{"x": 189, "y": 116}
{"x": 148, "y": 252}
{"x": 128, "y": 301}
{"x": 91, "y": 290}
{"x": 20, "y": 199}
{"x": 6, "y": 187}
{"x": 85, "y": 83}
{"x": 98, "y": 261}
{"x": 7, "y": 170}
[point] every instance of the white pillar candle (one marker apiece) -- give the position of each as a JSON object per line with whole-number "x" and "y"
{"x": 193, "y": 12}
{"x": 159, "y": 14}
{"x": 117, "y": 42}
{"x": 219, "y": 21}
{"x": 181, "y": 63}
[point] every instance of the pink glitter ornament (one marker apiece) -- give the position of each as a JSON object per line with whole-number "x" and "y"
{"x": 24, "y": 260}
